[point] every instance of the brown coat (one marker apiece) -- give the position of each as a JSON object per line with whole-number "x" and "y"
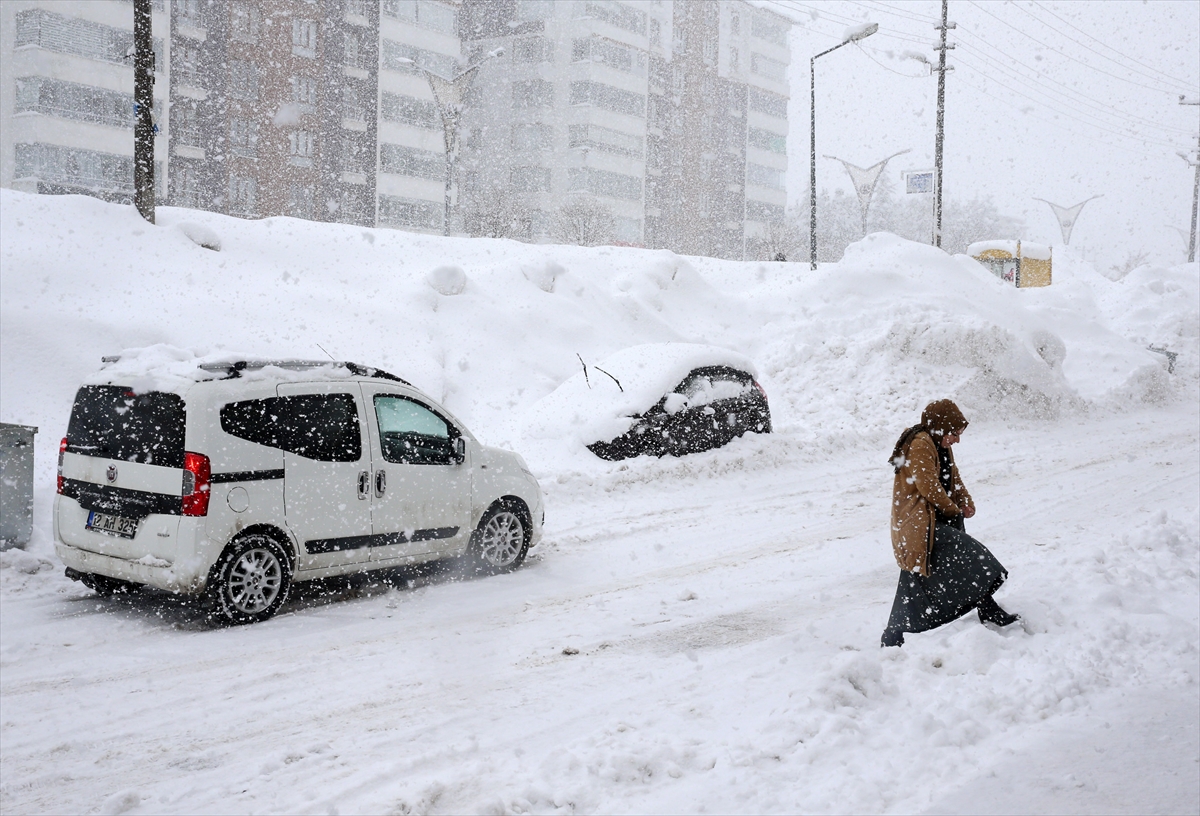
{"x": 916, "y": 495}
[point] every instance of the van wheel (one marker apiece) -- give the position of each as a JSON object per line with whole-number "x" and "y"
{"x": 250, "y": 582}
{"x": 501, "y": 540}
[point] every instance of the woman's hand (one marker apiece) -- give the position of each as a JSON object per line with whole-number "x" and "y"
{"x": 968, "y": 511}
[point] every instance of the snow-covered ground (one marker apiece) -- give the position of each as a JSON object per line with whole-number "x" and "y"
{"x": 693, "y": 635}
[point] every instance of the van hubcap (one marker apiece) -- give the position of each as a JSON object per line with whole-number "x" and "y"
{"x": 503, "y": 537}
{"x": 254, "y": 580}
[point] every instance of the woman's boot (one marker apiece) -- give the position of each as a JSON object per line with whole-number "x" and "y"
{"x": 992, "y": 612}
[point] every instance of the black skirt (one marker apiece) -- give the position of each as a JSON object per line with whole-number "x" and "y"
{"x": 963, "y": 572}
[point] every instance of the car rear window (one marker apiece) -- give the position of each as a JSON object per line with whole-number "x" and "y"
{"x": 316, "y": 426}
{"x": 113, "y": 422}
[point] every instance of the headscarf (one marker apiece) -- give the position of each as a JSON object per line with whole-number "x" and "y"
{"x": 938, "y": 419}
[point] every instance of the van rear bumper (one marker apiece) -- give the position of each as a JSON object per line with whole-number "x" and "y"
{"x": 170, "y": 578}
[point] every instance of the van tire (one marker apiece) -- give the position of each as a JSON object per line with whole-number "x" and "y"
{"x": 250, "y": 581}
{"x": 501, "y": 541}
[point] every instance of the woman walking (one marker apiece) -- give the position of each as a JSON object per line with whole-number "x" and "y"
{"x": 944, "y": 573}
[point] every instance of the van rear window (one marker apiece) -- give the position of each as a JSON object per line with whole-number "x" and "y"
{"x": 112, "y": 422}
{"x": 316, "y": 426}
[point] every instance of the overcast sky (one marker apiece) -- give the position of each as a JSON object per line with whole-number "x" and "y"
{"x": 1051, "y": 100}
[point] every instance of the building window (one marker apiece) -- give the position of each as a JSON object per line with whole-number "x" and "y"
{"x": 735, "y": 23}
{"x": 304, "y": 38}
{"x": 358, "y": 52}
{"x": 768, "y": 31}
{"x": 400, "y": 108}
{"x": 244, "y": 20}
{"x": 304, "y": 92}
{"x": 408, "y": 212}
{"x": 766, "y": 140}
{"x": 586, "y": 92}
{"x": 532, "y": 49}
{"x": 762, "y": 176}
{"x": 302, "y": 146}
{"x": 243, "y": 80}
{"x": 613, "y": 54}
{"x": 186, "y": 191}
{"x": 424, "y": 13}
{"x": 531, "y": 10}
{"x": 185, "y": 125}
{"x": 409, "y": 161}
{"x": 735, "y": 60}
{"x": 767, "y": 67}
{"x": 301, "y": 200}
{"x": 70, "y": 100}
{"x": 529, "y": 179}
{"x": 243, "y": 137}
{"x": 69, "y": 35}
{"x": 532, "y": 137}
{"x": 353, "y": 156}
{"x": 605, "y": 183}
{"x": 606, "y": 140}
{"x": 532, "y": 93}
{"x": 189, "y": 13}
{"x": 764, "y": 212}
{"x": 90, "y": 169}
{"x": 354, "y": 106}
{"x": 655, "y": 33}
{"x": 617, "y": 14}
{"x": 768, "y": 103}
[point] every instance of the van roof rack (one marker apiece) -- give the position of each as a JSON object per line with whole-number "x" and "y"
{"x": 233, "y": 368}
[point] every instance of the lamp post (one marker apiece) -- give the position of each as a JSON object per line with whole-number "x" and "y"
{"x": 448, "y": 96}
{"x": 852, "y": 35}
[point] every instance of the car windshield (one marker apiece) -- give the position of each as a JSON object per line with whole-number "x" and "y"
{"x": 704, "y": 389}
{"x": 113, "y": 422}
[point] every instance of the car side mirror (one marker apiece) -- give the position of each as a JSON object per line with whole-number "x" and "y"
{"x": 460, "y": 450}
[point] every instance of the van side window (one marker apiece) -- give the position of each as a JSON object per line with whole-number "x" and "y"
{"x": 316, "y": 426}
{"x": 411, "y": 434}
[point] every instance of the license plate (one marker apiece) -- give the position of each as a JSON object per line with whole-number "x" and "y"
{"x": 112, "y": 525}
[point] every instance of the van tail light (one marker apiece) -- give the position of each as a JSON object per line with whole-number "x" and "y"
{"x": 761, "y": 390}
{"x": 197, "y": 475}
{"x": 62, "y": 449}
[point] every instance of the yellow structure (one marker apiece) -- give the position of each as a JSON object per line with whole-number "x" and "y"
{"x": 1023, "y": 264}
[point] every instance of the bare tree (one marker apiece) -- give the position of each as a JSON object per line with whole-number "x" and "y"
{"x": 495, "y": 212}
{"x": 780, "y": 240}
{"x": 584, "y": 221}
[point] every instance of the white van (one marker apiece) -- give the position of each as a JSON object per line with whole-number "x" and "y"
{"x": 231, "y": 480}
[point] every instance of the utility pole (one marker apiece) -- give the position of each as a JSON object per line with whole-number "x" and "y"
{"x": 941, "y": 121}
{"x": 1195, "y": 185}
{"x": 143, "y": 106}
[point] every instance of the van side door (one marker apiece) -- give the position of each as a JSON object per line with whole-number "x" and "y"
{"x": 327, "y": 467}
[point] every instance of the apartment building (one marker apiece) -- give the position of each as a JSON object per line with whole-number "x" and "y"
{"x": 66, "y": 96}
{"x": 671, "y": 115}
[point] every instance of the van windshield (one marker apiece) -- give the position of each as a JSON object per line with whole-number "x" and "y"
{"x": 112, "y": 422}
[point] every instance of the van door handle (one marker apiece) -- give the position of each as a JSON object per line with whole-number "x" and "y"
{"x": 380, "y": 482}
{"x": 364, "y": 484}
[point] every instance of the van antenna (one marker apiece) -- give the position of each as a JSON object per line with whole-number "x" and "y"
{"x": 327, "y": 354}
{"x": 585, "y": 376}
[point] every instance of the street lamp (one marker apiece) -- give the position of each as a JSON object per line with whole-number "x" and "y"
{"x": 853, "y": 34}
{"x": 448, "y": 96}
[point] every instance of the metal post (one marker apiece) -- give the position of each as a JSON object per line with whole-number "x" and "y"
{"x": 143, "y": 98}
{"x": 941, "y": 121}
{"x": 812, "y": 164}
{"x": 1195, "y": 187}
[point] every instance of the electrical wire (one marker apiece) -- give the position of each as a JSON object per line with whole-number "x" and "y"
{"x": 1110, "y": 48}
{"x": 1061, "y": 53}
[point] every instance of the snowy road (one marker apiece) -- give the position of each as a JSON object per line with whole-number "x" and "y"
{"x": 695, "y": 635}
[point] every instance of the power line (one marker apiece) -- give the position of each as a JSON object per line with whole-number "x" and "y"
{"x": 1061, "y": 53}
{"x": 1110, "y": 48}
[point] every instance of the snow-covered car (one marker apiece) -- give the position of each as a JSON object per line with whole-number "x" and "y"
{"x": 232, "y": 479}
{"x": 662, "y": 399}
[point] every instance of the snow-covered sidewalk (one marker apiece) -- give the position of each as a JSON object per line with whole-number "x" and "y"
{"x": 695, "y": 635}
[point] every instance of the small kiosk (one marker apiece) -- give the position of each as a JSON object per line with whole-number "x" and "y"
{"x": 1021, "y": 263}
